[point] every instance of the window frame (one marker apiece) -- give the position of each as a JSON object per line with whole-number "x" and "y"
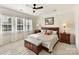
{"x": 6, "y": 26}
{"x": 28, "y": 24}
{"x": 19, "y": 24}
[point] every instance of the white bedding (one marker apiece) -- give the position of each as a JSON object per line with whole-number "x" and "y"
{"x": 50, "y": 41}
{"x": 35, "y": 39}
{"x": 47, "y": 41}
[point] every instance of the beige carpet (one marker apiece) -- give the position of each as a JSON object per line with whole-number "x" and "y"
{"x": 17, "y": 48}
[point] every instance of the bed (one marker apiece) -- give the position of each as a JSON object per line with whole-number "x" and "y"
{"x": 39, "y": 41}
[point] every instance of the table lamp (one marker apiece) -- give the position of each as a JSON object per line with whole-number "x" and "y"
{"x": 64, "y": 25}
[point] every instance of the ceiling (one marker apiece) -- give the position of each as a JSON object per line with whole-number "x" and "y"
{"x": 47, "y": 8}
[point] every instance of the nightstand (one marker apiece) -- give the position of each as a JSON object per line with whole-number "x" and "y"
{"x": 65, "y": 38}
{"x": 37, "y": 31}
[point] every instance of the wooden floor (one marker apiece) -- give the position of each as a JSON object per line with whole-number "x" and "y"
{"x": 17, "y": 48}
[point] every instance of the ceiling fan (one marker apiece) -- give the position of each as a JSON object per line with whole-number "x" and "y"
{"x": 35, "y": 8}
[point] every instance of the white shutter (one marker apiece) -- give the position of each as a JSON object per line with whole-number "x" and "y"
{"x": 26, "y": 25}
{"x": 30, "y": 25}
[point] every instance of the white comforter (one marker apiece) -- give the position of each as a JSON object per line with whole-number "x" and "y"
{"x": 50, "y": 41}
{"x": 35, "y": 39}
{"x": 47, "y": 41}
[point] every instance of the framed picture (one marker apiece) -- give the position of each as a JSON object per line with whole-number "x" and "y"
{"x": 49, "y": 21}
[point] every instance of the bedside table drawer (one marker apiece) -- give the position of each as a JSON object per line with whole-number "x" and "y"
{"x": 65, "y": 38}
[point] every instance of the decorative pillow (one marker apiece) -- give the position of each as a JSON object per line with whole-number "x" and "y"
{"x": 43, "y": 31}
{"x": 49, "y": 32}
{"x": 46, "y": 33}
{"x": 54, "y": 32}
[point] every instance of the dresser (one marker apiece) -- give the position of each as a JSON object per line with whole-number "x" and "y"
{"x": 64, "y": 37}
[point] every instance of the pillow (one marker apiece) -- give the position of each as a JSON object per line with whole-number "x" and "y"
{"x": 54, "y": 32}
{"x": 49, "y": 32}
{"x": 46, "y": 33}
{"x": 43, "y": 31}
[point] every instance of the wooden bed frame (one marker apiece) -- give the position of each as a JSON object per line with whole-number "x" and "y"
{"x": 37, "y": 49}
{"x": 33, "y": 47}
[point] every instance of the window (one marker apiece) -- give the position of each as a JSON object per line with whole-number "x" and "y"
{"x": 19, "y": 24}
{"x": 28, "y": 25}
{"x": 7, "y": 23}
{"x": 15, "y": 24}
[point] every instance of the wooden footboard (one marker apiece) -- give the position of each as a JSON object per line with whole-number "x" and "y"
{"x": 46, "y": 49}
{"x": 33, "y": 47}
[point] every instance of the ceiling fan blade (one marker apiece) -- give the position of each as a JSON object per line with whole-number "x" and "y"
{"x": 39, "y": 7}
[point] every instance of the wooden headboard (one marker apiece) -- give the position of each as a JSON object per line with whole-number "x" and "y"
{"x": 51, "y": 28}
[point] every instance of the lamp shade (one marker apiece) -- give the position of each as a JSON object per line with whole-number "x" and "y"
{"x": 64, "y": 25}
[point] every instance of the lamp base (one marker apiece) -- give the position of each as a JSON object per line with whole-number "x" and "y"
{"x": 64, "y": 32}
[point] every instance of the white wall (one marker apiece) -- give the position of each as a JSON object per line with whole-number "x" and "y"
{"x": 59, "y": 20}
{"x": 76, "y": 10}
{"x": 41, "y": 20}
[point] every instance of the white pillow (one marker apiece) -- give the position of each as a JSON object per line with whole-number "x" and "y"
{"x": 54, "y": 32}
{"x": 43, "y": 31}
{"x": 49, "y": 32}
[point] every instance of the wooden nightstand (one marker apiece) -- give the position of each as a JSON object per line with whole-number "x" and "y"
{"x": 65, "y": 38}
{"x": 37, "y": 31}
